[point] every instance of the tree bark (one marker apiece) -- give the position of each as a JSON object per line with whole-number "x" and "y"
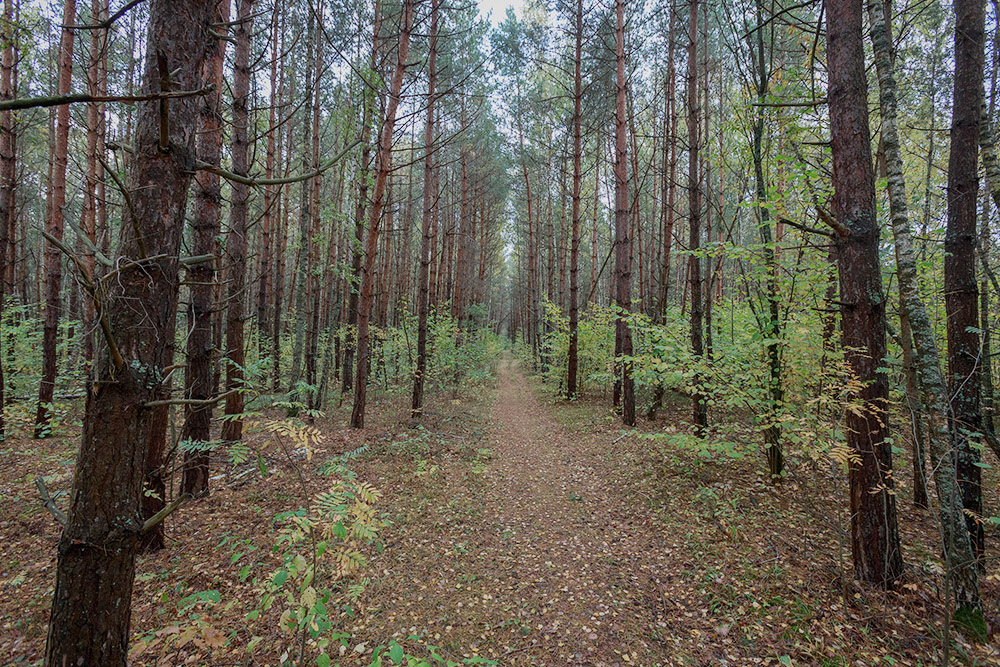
{"x": 429, "y": 206}
{"x": 303, "y": 276}
{"x": 874, "y": 531}
{"x": 8, "y": 175}
{"x": 364, "y": 174}
{"x": 271, "y": 197}
{"x": 383, "y": 168}
{"x": 574, "y": 249}
{"x": 54, "y": 226}
{"x": 772, "y": 325}
{"x": 699, "y": 405}
{"x": 961, "y": 289}
{"x": 236, "y": 240}
{"x": 89, "y": 623}
{"x": 207, "y": 217}
{"x": 926, "y": 361}
{"x": 623, "y": 259}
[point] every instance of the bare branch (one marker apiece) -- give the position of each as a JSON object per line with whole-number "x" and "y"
{"x": 258, "y": 182}
{"x": 76, "y": 98}
{"x": 50, "y": 505}
{"x": 192, "y": 402}
{"x": 158, "y": 518}
{"x": 108, "y": 22}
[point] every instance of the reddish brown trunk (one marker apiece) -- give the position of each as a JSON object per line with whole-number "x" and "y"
{"x": 93, "y": 199}
{"x": 8, "y": 175}
{"x": 315, "y": 233}
{"x": 383, "y": 167}
{"x": 670, "y": 172}
{"x": 429, "y": 206}
{"x": 236, "y": 241}
{"x": 961, "y": 290}
{"x": 874, "y": 533}
{"x": 623, "y": 259}
{"x": 700, "y": 408}
{"x": 271, "y": 196}
{"x": 89, "y": 623}
{"x": 354, "y": 284}
{"x": 54, "y": 226}
{"x": 207, "y": 215}
{"x": 574, "y": 252}
{"x": 277, "y": 324}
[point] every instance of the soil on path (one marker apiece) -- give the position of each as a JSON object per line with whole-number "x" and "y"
{"x": 540, "y": 561}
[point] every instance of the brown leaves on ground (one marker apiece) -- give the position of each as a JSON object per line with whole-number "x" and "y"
{"x": 522, "y": 531}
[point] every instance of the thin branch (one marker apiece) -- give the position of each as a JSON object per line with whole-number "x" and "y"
{"x": 75, "y": 98}
{"x": 805, "y": 228}
{"x": 805, "y": 103}
{"x": 257, "y": 182}
{"x": 108, "y": 22}
{"x": 158, "y": 518}
{"x": 50, "y": 504}
{"x": 196, "y": 259}
{"x": 91, "y": 287}
{"x": 824, "y": 215}
{"x": 192, "y": 402}
{"x": 128, "y": 203}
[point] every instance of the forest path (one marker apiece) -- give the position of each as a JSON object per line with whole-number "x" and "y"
{"x": 540, "y": 560}
{"x": 576, "y": 553}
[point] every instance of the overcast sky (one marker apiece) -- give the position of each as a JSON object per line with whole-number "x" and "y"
{"x": 497, "y": 8}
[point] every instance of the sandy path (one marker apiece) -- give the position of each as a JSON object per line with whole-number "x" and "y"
{"x": 536, "y": 561}
{"x": 574, "y": 556}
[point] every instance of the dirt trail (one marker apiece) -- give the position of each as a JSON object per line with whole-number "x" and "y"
{"x": 574, "y": 551}
{"x": 541, "y": 562}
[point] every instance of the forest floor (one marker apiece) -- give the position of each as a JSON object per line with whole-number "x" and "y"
{"x": 522, "y": 530}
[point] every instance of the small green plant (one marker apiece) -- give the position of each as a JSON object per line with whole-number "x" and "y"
{"x": 320, "y": 548}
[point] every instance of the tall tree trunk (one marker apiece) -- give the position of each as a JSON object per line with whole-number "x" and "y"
{"x": 669, "y": 169}
{"x": 54, "y": 226}
{"x": 961, "y": 289}
{"x": 8, "y": 176}
{"x": 364, "y": 173}
{"x": 207, "y": 217}
{"x": 383, "y": 168}
{"x": 311, "y": 352}
{"x": 95, "y": 148}
{"x": 429, "y": 206}
{"x": 271, "y": 197}
{"x": 874, "y": 531}
{"x": 574, "y": 250}
{"x": 284, "y": 158}
{"x": 303, "y": 277}
{"x": 772, "y": 326}
{"x": 957, "y": 546}
{"x": 89, "y": 623}
{"x": 699, "y": 404}
{"x": 236, "y": 240}
{"x": 623, "y": 260}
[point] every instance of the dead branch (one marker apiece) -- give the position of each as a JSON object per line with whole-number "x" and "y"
{"x": 50, "y": 505}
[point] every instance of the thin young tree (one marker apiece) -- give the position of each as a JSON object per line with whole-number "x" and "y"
{"x": 383, "y": 168}
{"x": 429, "y": 206}
{"x": 623, "y": 255}
{"x": 54, "y": 227}
{"x": 761, "y": 72}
